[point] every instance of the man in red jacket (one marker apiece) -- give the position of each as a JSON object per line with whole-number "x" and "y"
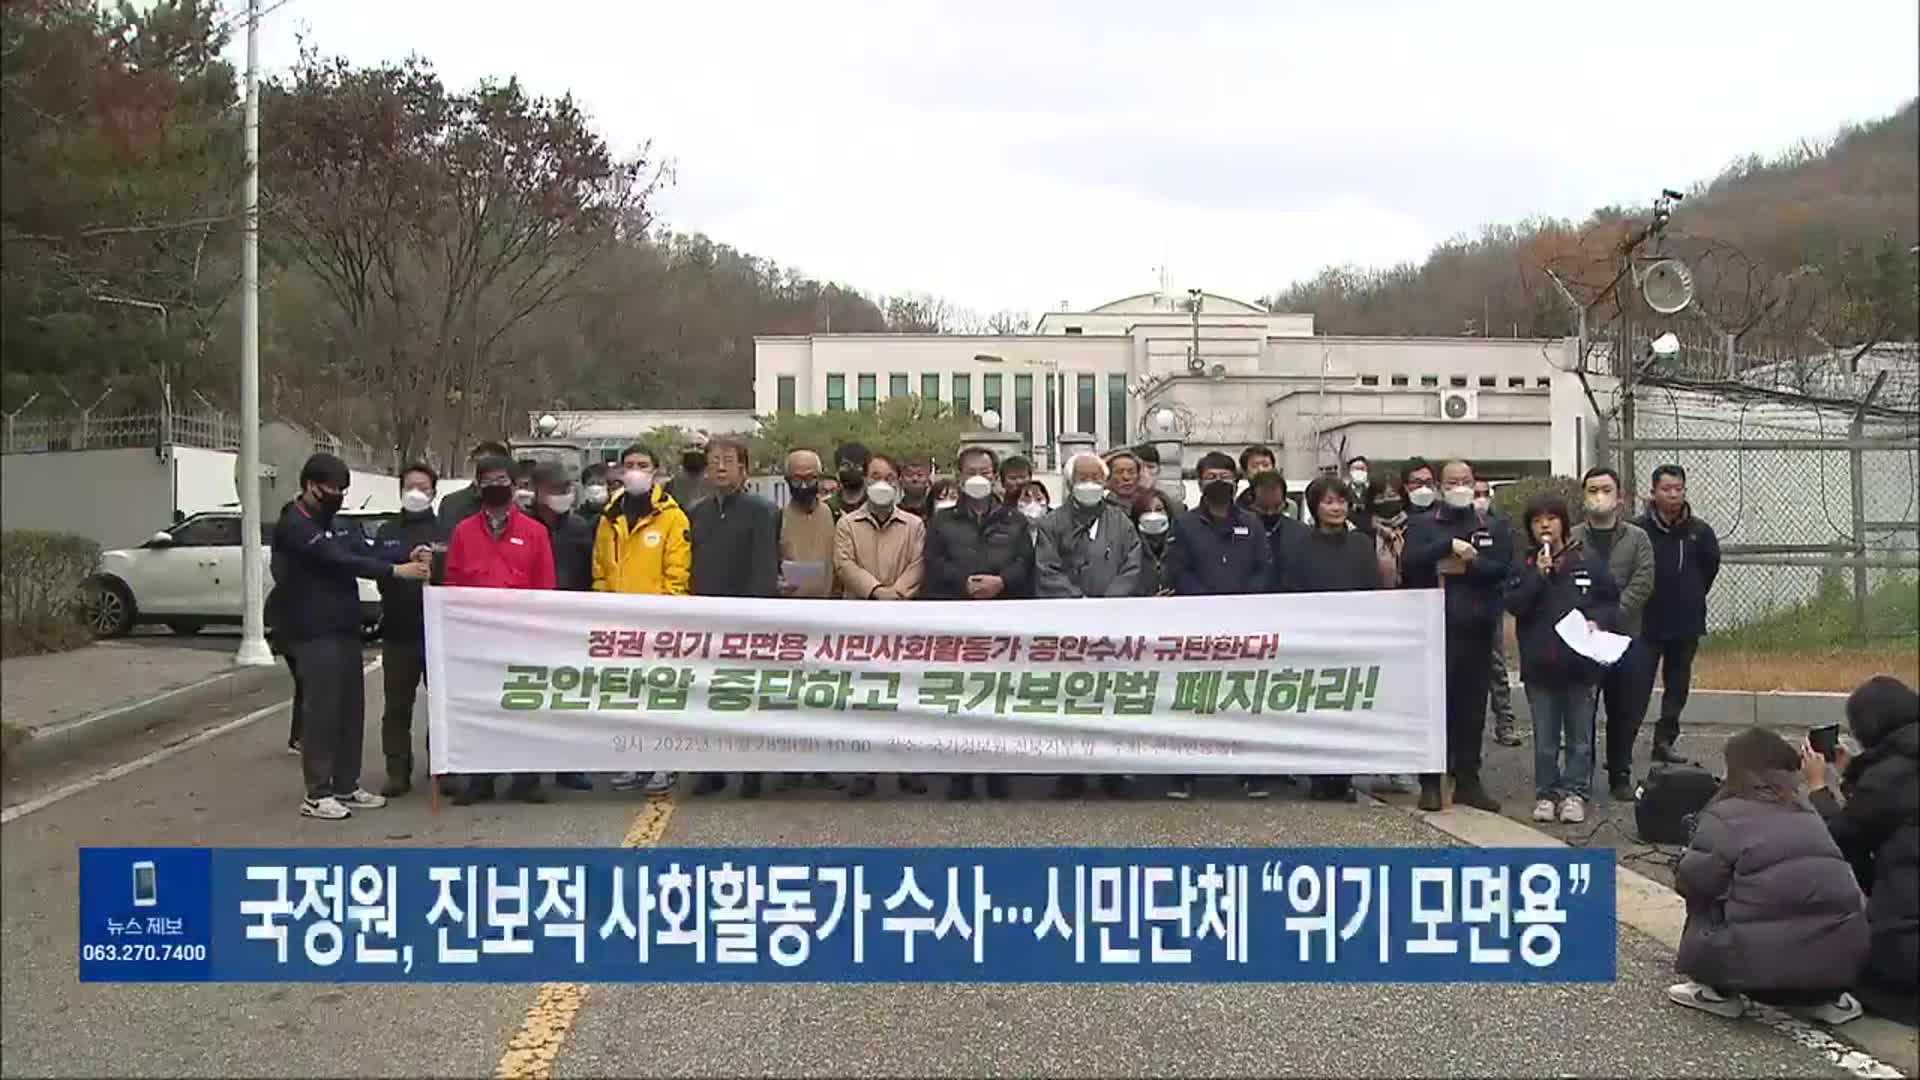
{"x": 499, "y": 548}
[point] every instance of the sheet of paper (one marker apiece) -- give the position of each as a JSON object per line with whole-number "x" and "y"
{"x": 797, "y": 572}
{"x": 1596, "y": 645}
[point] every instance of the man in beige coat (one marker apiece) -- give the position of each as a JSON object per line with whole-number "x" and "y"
{"x": 877, "y": 555}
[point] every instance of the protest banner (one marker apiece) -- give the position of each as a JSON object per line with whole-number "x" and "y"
{"x": 1325, "y": 683}
{"x": 792, "y": 914}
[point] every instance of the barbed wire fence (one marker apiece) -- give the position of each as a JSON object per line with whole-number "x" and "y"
{"x": 1806, "y": 464}
{"x": 53, "y": 421}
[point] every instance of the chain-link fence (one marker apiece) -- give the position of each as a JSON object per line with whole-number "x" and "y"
{"x": 106, "y": 425}
{"x": 1810, "y": 478}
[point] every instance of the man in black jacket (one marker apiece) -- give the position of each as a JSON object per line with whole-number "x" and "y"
{"x": 978, "y": 550}
{"x": 1686, "y": 559}
{"x": 1468, "y": 554}
{"x": 571, "y": 537}
{"x": 736, "y": 552}
{"x": 465, "y": 503}
{"x": 315, "y": 572}
{"x": 403, "y": 637}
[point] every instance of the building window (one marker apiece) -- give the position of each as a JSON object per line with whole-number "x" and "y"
{"x": 930, "y": 385}
{"x": 1429, "y": 380}
{"x": 1456, "y": 380}
{"x": 869, "y": 392}
{"x": 1073, "y": 330}
{"x": 1369, "y": 380}
{"x": 1116, "y": 410}
{"x": 1489, "y": 380}
{"x": 1517, "y": 382}
{"x": 1053, "y": 410}
{"x": 1399, "y": 380}
{"x": 1023, "y": 406}
{"x": 990, "y": 395}
{"x": 836, "y": 393}
{"x": 896, "y": 385}
{"x": 962, "y": 394}
{"x": 786, "y": 394}
{"x": 1544, "y": 381}
{"x": 1084, "y": 395}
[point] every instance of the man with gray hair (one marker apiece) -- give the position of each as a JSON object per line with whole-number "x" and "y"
{"x": 1087, "y": 547}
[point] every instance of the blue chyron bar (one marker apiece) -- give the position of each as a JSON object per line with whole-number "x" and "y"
{"x": 886, "y": 915}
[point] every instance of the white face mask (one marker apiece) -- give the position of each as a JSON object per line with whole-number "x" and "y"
{"x": 415, "y": 501}
{"x": 596, "y": 494}
{"x": 523, "y": 498}
{"x": 1034, "y": 511}
{"x": 1153, "y": 522}
{"x": 946, "y": 504}
{"x": 637, "y": 481}
{"x": 1421, "y": 497}
{"x": 1089, "y": 493}
{"x": 1601, "y": 505}
{"x": 1358, "y": 477}
{"x": 882, "y": 494}
{"x": 976, "y": 487}
{"x": 1459, "y": 497}
{"x": 560, "y": 504}
{"x": 1482, "y": 503}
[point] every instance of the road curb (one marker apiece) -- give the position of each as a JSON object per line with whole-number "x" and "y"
{"x": 64, "y": 739}
{"x": 1744, "y": 708}
{"x": 1658, "y": 912}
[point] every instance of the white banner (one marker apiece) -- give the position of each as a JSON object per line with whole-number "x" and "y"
{"x": 596, "y": 682}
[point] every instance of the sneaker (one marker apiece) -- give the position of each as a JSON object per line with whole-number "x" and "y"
{"x": 1256, "y": 787}
{"x": 860, "y": 787}
{"x": 1470, "y": 791}
{"x": 396, "y": 786}
{"x": 1180, "y": 789}
{"x": 660, "y": 783}
{"x": 327, "y": 809}
{"x": 473, "y": 790}
{"x": 1573, "y": 810}
{"x": 361, "y": 799}
{"x": 1621, "y": 789}
{"x": 530, "y": 792}
{"x": 1705, "y": 998}
{"x": 624, "y": 781}
{"x": 1665, "y": 754}
{"x": 1544, "y": 810}
{"x": 1838, "y": 1011}
{"x": 293, "y": 747}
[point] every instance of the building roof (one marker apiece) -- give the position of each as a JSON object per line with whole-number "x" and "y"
{"x": 1156, "y": 302}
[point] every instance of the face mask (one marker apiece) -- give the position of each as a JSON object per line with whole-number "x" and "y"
{"x": 496, "y": 495}
{"x": 1482, "y": 503}
{"x": 1420, "y": 497}
{"x": 1358, "y": 477}
{"x": 560, "y": 504}
{"x": 1033, "y": 510}
{"x": 694, "y": 460}
{"x": 976, "y": 487}
{"x": 1217, "y": 492}
{"x": 1600, "y": 505}
{"x": 946, "y": 504}
{"x": 1388, "y": 509}
{"x": 1153, "y": 522}
{"x": 804, "y": 492}
{"x": 523, "y": 498}
{"x": 1459, "y": 498}
{"x": 852, "y": 477}
{"x": 415, "y": 501}
{"x": 330, "y": 502}
{"x": 596, "y": 495}
{"x": 882, "y": 494}
{"x": 1088, "y": 493}
{"x": 637, "y": 481}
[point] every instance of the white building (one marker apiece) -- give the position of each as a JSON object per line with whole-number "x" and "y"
{"x": 1235, "y": 374}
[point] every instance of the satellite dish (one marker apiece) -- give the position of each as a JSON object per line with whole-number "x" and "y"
{"x": 990, "y": 420}
{"x": 1668, "y": 286}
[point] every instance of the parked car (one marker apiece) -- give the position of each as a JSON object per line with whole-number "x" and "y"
{"x": 188, "y": 577}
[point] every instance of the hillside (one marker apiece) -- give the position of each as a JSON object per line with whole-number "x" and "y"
{"x": 1849, "y": 206}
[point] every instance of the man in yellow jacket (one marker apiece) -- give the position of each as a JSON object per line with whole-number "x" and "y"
{"x": 641, "y": 546}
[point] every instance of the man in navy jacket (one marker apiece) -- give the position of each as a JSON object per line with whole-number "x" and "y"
{"x": 1467, "y": 553}
{"x": 1686, "y": 559}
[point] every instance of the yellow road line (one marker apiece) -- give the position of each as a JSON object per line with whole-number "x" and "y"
{"x": 533, "y": 1049}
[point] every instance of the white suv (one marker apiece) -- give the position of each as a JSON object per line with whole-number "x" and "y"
{"x": 188, "y": 577}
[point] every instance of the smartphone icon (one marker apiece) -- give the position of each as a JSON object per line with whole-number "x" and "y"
{"x": 146, "y": 886}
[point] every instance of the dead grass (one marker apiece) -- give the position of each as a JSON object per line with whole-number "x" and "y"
{"x": 1834, "y": 669}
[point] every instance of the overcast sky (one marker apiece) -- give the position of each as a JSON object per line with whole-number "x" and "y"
{"x": 1023, "y": 154}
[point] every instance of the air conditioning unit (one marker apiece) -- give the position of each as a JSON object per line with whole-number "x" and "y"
{"x": 1459, "y": 404}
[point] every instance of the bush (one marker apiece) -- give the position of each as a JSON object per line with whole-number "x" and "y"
{"x": 41, "y": 602}
{"x": 1511, "y": 499}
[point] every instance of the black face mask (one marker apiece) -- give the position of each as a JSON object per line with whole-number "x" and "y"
{"x": 852, "y": 478}
{"x": 1387, "y": 509}
{"x": 496, "y": 495}
{"x": 804, "y": 492}
{"x": 329, "y": 502}
{"x": 1217, "y": 492}
{"x": 694, "y": 461}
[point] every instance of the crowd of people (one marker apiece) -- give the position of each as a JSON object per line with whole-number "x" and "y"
{"x": 1762, "y": 878}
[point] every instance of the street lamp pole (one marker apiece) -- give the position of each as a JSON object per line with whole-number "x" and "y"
{"x": 253, "y": 629}
{"x": 166, "y": 378}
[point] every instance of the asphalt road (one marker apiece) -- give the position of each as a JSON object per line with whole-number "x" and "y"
{"x": 242, "y": 788}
